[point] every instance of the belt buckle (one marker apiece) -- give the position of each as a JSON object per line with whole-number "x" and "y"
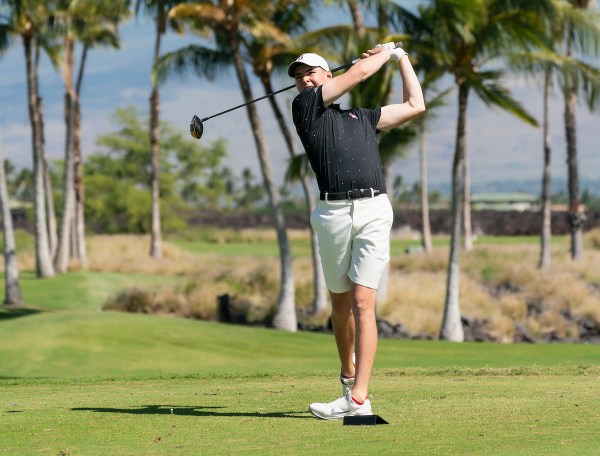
{"x": 353, "y": 194}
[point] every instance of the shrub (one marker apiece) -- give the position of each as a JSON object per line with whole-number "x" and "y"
{"x": 133, "y": 300}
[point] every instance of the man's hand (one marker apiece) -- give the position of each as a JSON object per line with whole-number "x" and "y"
{"x": 376, "y": 50}
{"x": 396, "y": 53}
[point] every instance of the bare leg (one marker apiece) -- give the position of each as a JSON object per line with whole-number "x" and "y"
{"x": 343, "y": 328}
{"x": 363, "y": 309}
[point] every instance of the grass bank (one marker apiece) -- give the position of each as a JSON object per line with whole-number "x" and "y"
{"x": 458, "y": 412}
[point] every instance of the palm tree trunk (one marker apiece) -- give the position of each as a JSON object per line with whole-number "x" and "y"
{"x": 12, "y": 290}
{"x": 467, "y": 225}
{"x": 73, "y": 247}
{"x": 285, "y": 314}
{"x": 50, "y": 209}
{"x": 425, "y": 225}
{"x": 452, "y": 328}
{"x": 544, "y": 261}
{"x": 79, "y": 250}
{"x": 61, "y": 259}
{"x": 576, "y": 211}
{"x": 43, "y": 263}
{"x": 320, "y": 303}
{"x": 155, "y": 231}
{"x": 357, "y": 19}
{"x": 48, "y": 192}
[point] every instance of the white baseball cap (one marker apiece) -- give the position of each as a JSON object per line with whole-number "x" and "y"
{"x": 310, "y": 59}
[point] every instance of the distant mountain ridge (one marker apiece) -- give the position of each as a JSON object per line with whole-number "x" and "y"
{"x": 531, "y": 186}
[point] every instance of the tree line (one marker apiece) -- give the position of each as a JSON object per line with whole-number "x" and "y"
{"x": 473, "y": 43}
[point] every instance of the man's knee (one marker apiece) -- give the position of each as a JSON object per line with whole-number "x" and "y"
{"x": 363, "y": 299}
{"x": 341, "y": 303}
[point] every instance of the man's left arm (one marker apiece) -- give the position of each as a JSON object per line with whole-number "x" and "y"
{"x": 413, "y": 103}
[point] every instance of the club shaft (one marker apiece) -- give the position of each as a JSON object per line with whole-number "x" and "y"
{"x": 347, "y": 65}
{"x": 250, "y": 102}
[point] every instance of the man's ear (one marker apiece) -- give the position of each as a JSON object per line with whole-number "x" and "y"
{"x": 329, "y": 75}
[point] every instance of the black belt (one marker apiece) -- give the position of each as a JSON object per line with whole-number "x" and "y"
{"x": 353, "y": 194}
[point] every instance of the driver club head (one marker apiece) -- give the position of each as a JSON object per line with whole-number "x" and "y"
{"x": 196, "y": 127}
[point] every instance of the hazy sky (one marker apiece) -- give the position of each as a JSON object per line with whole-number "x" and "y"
{"x": 501, "y": 147}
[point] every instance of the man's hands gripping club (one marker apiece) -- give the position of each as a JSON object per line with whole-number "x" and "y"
{"x": 396, "y": 51}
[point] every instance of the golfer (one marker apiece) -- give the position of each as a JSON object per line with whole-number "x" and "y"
{"x": 354, "y": 216}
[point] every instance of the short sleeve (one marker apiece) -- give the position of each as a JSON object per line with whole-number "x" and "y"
{"x": 373, "y": 115}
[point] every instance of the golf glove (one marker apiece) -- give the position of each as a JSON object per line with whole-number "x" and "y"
{"x": 396, "y": 53}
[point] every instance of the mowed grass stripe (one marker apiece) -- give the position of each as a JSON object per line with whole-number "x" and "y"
{"x": 109, "y": 344}
{"x": 494, "y": 414}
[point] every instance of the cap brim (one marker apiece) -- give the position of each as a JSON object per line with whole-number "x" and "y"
{"x": 292, "y": 67}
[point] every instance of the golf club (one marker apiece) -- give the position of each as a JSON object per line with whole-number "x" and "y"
{"x": 197, "y": 124}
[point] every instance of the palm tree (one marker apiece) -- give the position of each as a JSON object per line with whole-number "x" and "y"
{"x": 463, "y": 38}
{"x": 582, "y": 32}
{"x": 100, "y": 29}
{"x": 159, "y": 10}
{"x": 26, "y": 20}
{"x": 67, "y": 20}
{"x": 12, "y": 290}
{"x": 433, "y": 101}
{"x": 90, "y": 22}
{"x": 550, "y": 63}
{"x": 546, "y": 209}
{"x": 235, "y": 23}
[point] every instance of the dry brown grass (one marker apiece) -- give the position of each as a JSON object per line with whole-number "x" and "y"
{"x": 204, "y": 277}
{"x": 129, "y": 253}
{"x": 500, "y": 284}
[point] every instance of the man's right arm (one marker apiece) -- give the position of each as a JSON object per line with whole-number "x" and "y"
{"x": 413, "y": 103}
{"x": 370, "y": 62}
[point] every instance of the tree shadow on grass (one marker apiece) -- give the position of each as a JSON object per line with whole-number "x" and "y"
{"x": 188, "y": 411}
{"x": 8, "y": 313}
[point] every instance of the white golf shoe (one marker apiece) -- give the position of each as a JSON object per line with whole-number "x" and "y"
{"x": 338, "y": 409}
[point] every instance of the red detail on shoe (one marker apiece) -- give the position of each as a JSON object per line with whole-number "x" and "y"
{"x": 347, "y": 378}
{"x": 357, "y": 402}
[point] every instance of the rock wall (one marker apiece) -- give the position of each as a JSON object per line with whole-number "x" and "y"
{"x": 493, "y": 223}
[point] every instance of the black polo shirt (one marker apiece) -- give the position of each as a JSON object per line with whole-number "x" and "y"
{"x": 341, "y": 144}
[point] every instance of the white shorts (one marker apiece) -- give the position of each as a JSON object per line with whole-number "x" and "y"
{"x": 354, "y": 240}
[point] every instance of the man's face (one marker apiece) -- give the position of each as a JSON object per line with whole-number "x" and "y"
{"x": 308, "y": 76}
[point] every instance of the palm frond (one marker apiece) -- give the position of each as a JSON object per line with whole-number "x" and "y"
{"x": 585, "y": 79}
{"x": 298, "y": 168}
{"x": 328, "y": 42}
{"x": 395, "y": 143}
{"x": 198, "y": 15}
{"x": 5, "y": 37}
{"x": 489, "y": 90}
{"x": 584, "y": 26}
{"x": 100, "y": 36}
{"x": 404, "y": 20}
{"x": 204, "y": 62}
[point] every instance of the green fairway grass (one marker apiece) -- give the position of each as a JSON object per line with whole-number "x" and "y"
{"x": 65, "y": 334}
{"x": 497, "y": 411}
{"x": 76, "y": 380}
